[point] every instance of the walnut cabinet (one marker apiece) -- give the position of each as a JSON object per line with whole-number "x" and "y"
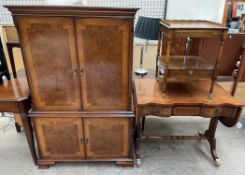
{"x": 78, "y": 62}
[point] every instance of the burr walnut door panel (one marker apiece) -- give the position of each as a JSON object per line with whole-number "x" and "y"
{"x": 49, "y": 49}
{"x": 107, "y": 137}
{"x": 103, "y": 46}
{"x": 60, "y": 137}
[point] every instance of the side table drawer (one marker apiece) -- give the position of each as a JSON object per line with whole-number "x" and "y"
{"x": 191, "y": 75}
{"x": 187, "y": 110}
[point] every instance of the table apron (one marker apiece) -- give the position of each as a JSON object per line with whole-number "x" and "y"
{"x": 188, "y": 110}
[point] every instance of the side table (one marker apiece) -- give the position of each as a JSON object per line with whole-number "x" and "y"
{"x": 15, "y": 97}
{"x": 187, "y": 67}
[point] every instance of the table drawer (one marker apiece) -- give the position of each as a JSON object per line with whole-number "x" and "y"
{"x": 8, "y": 107}
{"x": 226, "y": 111}
{"x": 191, "y": 74}
{"x": 163, "y": 111}
{"x": 187, "y": 110}
{"x": 209, "y": 112}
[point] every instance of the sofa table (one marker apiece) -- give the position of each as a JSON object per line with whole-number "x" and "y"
{"x": 15, "y": 98}
{"x": 183, "y": 99}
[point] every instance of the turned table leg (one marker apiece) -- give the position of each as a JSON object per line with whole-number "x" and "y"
{"x": 210, "y": 135}
{"x": 215, "y": 72}
{"x": 211, "y": 89}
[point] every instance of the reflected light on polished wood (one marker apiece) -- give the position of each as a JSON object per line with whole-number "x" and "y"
{"x": 181, "y": 92}
{"x": 15, "y": 88}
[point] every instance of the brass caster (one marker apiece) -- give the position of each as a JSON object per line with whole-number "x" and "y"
{"x": 138, "y": 162}
{"x": 200, "y": 133}
{"x": 217, "y": 163}
{"x": 210, "y": 95}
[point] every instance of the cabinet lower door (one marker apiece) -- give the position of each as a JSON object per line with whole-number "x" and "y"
{"x": 59, "y": 138}
{"x": 107, "y": 137}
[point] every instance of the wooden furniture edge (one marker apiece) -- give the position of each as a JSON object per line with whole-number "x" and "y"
{"x": 71, "y": 11}
{"x": 108, "y": 114}
{"x": 166, "y": 23}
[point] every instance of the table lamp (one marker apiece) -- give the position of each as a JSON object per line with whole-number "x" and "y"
{"x": 148, "y": 29}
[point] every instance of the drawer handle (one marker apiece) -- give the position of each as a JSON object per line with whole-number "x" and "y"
{"x": 86, "y": 140}
{"x": 81, "y": 72}
{"x": 190, "y": 72}
{"x": 216, "y": 112}
{"x": 157, "y": 110}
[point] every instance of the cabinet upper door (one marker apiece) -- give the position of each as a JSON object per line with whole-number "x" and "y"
{"x": 49, "y": 49}
{"x": 104, "y": 52}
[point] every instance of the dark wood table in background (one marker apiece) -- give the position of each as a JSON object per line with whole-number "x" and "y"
{"x": 183, "y": 99}
{"x": 15, "y": 98}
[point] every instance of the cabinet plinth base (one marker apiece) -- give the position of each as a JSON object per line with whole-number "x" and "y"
{"x": 43, "y": 166}
{"x": 125, "y": 162}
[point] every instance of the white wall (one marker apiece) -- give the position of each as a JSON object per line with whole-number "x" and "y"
{"x": 66, "y": 2}
{"x": 211, "y": 10}
{"x": 5, "y": 16}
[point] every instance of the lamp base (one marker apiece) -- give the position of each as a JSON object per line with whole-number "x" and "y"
{"x": 140, "y": 72}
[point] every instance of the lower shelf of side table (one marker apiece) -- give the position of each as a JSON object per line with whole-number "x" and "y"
{"x": 186, "y": 67}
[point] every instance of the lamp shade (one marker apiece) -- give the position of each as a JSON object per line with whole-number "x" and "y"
{"x": 147, "y": 28}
